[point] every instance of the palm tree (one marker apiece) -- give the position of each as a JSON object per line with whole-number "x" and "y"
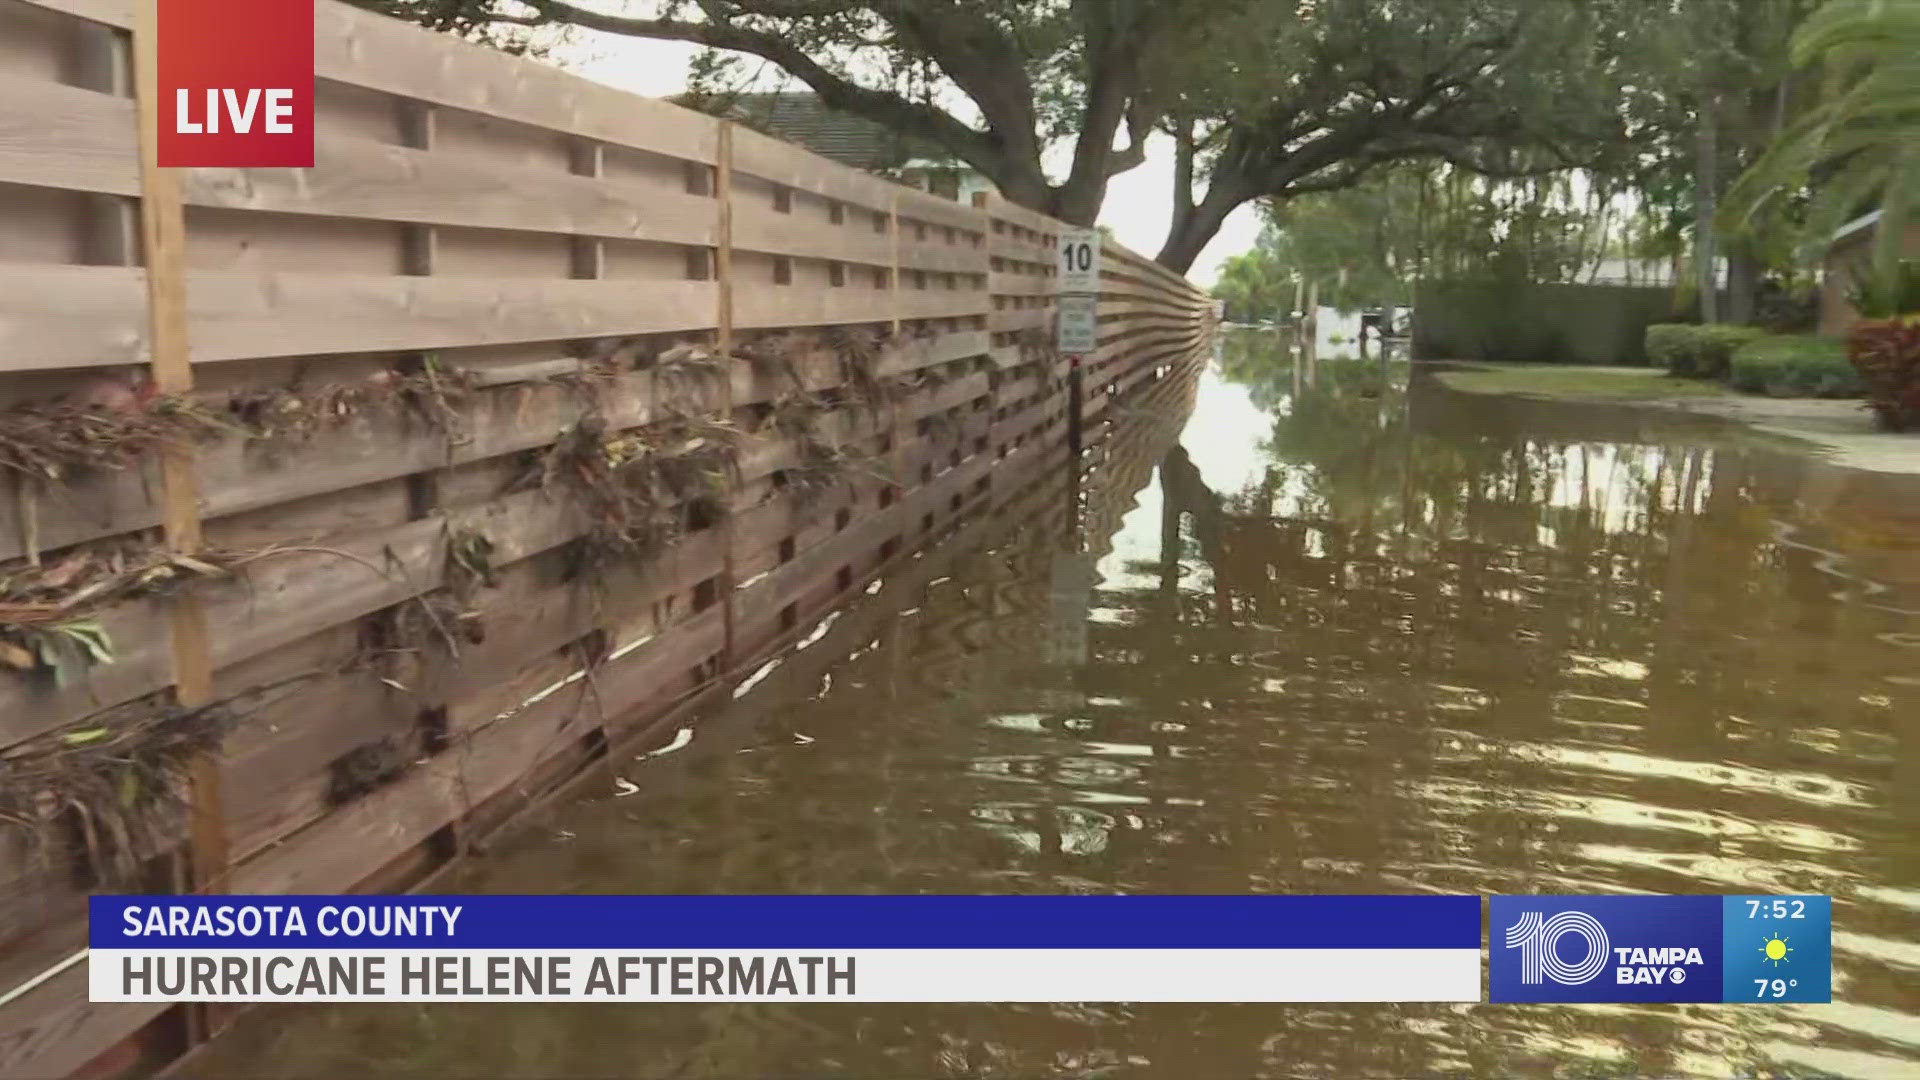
{"x": 1863, "y": 138}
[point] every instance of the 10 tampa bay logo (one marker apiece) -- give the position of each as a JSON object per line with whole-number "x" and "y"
{"x": 1538, "y": 939}
{"x": 1605, "y": 948}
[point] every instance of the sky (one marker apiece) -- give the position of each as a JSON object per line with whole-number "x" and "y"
{"x": 1139, "y": 201}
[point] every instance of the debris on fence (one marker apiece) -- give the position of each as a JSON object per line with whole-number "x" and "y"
{"x": 45, "y": 611}
{"x": 434, "y": 393}
{"x": 638, "y": 486}
{"x": 114, "y": 789}
{"x": 55, "y": 440}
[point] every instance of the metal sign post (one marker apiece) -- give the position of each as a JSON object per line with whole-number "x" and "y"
{"x": 1078, "y": 322}
{"x": 1077, "y": 335}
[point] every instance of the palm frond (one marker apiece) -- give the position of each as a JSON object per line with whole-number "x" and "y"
{"x": 1863, "y": 139}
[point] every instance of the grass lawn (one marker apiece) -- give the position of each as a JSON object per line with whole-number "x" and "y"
{"x": 1571, "y": 382}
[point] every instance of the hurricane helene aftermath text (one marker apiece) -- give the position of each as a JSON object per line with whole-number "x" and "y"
{"x": 521, "y": 977}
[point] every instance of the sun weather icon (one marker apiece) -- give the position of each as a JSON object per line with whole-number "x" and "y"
{"x": 1775, "y": 949}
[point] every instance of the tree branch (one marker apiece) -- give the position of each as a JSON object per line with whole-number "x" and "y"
{"x": 911, "y": 118}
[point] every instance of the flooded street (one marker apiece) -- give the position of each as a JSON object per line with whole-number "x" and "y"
{"x": 1339, "y": 630}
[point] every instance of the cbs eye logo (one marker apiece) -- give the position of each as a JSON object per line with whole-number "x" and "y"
{"x": 1538, "y": 939}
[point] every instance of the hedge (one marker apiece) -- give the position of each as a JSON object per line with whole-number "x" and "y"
{"x": 1796, "y": 365}
{"x": 1697, "y": 352}
{"x": 1550, "y": 324}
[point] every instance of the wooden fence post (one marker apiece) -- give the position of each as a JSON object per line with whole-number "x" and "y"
{"x": 164, "y": 240}
{"x": 893, "y": 260}
{"x": 723, "y": 344}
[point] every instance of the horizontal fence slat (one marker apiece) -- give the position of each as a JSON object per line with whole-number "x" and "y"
{"x": 755, "y": 154}
{"x": 89, "y": 316}
{"x": 65, "y": 137}
{"x": 942, "y": 258}
{"x": 362, "y": 178}
{"x": 757, "y": 226}
{"x": 763, "y": 306}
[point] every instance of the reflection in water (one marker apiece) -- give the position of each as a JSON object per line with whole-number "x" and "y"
{"x": 1392, "y": 639}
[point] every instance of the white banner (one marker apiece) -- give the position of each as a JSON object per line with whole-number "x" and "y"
{"x": 872, "y": 975}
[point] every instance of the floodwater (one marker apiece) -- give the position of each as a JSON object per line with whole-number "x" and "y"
{"x": 1352, "y": 632}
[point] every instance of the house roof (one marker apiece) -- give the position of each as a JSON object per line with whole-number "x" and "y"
{"x": 800, "y": 117}
{"x": 1857, "y": 225}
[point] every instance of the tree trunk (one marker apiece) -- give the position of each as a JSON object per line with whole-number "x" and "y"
{"x": 1194, "y": 227}
{"x": 1077, "y": 202}
{"x": 1183, "y": 166}
{"x": 1706, "y": 189}
{"x": 1743, "y": 284}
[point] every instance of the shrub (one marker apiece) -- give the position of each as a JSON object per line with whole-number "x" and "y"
{"x": 1795, "y": 365}
{"x": 1886, "y": 352}
{"x": 1697, "y": 352}
{"x": 1787, "y": 308}
{"x": 1668, "y": 344}
{"x": 1883, "y": 296}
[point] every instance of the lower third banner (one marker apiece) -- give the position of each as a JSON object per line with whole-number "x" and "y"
{"x": 786, "y": 948}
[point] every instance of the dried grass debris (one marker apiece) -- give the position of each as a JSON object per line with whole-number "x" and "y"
{"x": 111, "y": 791}
{"x": 434, "y": 393}
{"x": 57, "y": 440}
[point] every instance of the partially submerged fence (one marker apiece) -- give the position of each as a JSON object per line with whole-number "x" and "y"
{"x": 354, "y": 507}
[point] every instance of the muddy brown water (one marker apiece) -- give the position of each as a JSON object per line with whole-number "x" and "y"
{"x": 1362, "y": 635}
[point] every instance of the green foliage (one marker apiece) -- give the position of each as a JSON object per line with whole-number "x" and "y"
{"x": 1860, "y": 146}
{"x": 1254, "y": 284}
{"x": 1788, "y": 307}
{"x": 1359, "y": 245}
{"x": 1795, "y": 365}
{"x": 1886, "y": 352}
{"x": 1364, "y": 246}
{"x": 1697, "y": 352}
{"x": 70, "y": 649}
{"x": 1504, "y": 321}
{"x": 1879, "y": 295}
{"x": 1669, "y": 345}
{"x": 1290, "y": 100}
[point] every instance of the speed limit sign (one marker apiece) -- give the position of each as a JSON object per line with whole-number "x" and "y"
{"x": 1079, "y": 260}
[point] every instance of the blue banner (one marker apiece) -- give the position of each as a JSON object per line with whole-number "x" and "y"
{"x": 784, "y": 922}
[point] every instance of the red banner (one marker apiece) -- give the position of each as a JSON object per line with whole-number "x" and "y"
{"x": 236, "y": 83}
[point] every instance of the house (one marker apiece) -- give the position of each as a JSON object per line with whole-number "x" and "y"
{"x": 1849, "y": 254}
{"x": 801, "y": 117}
{"x": 946, "y": 176}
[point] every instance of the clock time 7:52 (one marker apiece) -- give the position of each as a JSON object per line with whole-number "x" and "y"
{"x": 1776, "y": 909}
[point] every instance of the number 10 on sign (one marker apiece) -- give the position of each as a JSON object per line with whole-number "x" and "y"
{"x": 1079, "y": 261}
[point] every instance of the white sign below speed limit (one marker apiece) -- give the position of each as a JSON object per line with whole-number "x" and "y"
{"x": 1078, "y": 325}
{"x": 1079, "y": 261}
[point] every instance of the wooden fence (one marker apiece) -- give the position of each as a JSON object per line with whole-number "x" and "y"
{"x": 349, "y": 509}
